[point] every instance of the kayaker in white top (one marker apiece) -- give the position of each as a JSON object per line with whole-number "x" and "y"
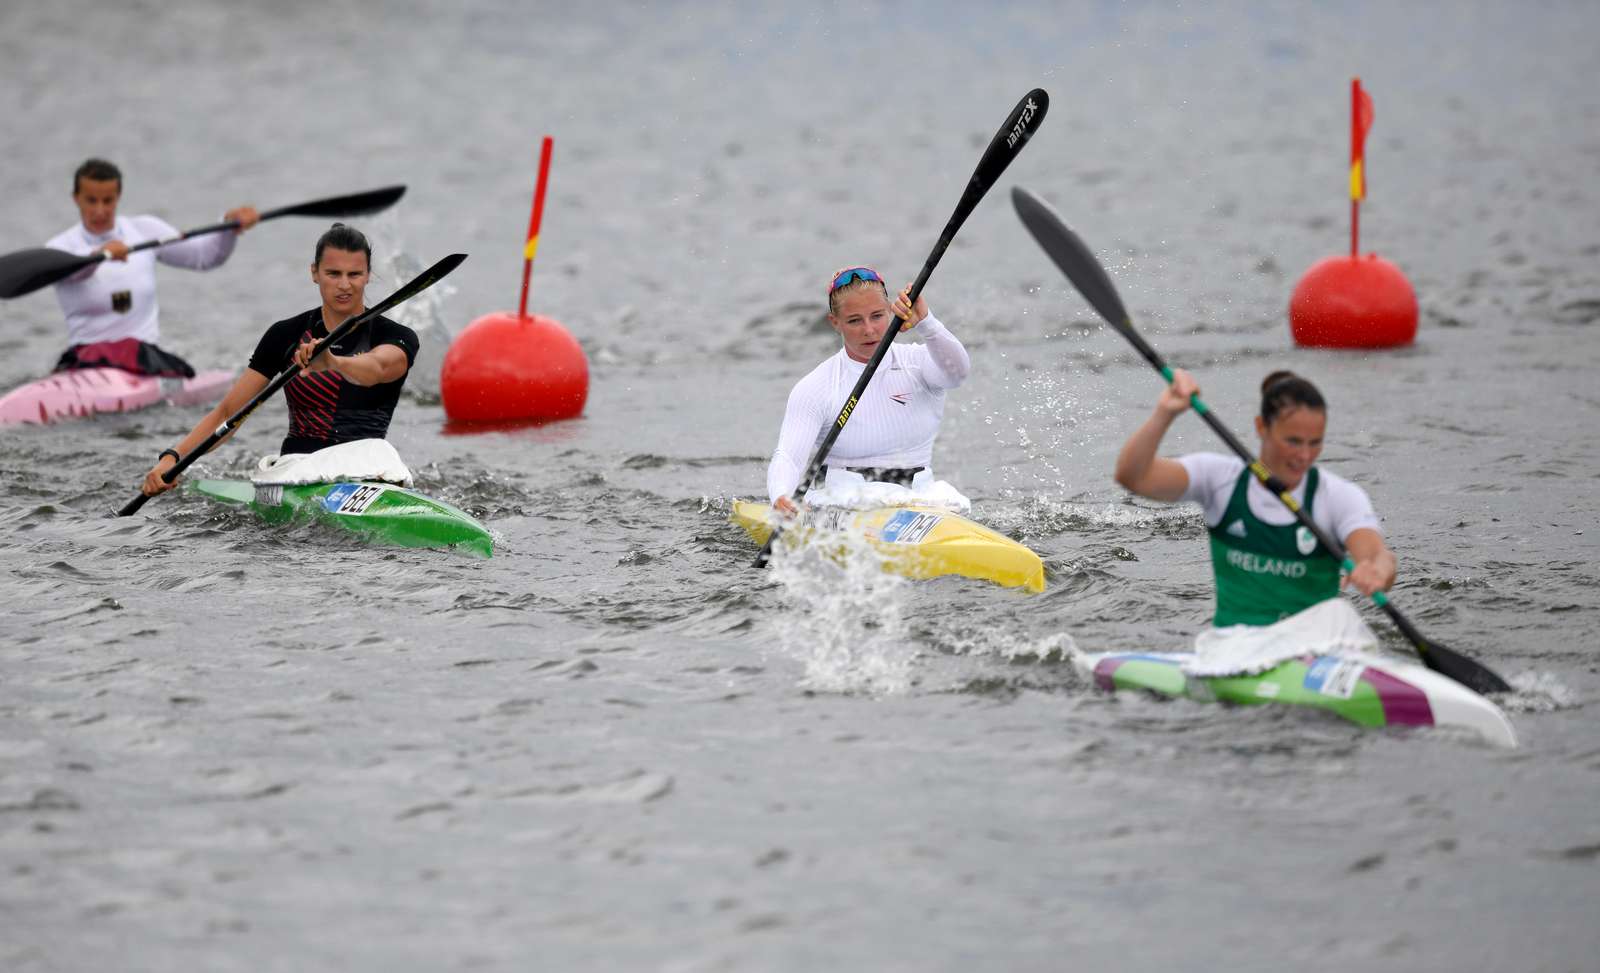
{"x": 111, "y": 304}
{"x": 1269, "y": 569}
{"x": 889, "y": 437}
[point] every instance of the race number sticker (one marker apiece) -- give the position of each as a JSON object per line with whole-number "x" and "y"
{"x": 909, "y": 527}
{"x": 1334, "y": 677}
{"x": 832, "y": 518}
{"x": 351, "y": 498}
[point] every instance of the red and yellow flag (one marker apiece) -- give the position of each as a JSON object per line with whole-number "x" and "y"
{"x": 1360, "y": 122}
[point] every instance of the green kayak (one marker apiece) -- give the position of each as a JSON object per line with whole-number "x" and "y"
{"x": 381, "y": 512}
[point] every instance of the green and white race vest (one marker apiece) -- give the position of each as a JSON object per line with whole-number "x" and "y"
{"x": 1266, "y": 572}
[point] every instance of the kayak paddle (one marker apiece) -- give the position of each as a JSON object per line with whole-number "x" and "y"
{"x": 1019, "y": 127}
{"x": 26, "y": 271}
{"x": 1074, "y": 258}
{"x": 416, "y": 286}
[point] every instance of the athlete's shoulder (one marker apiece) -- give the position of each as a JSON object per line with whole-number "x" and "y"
{"x": 296, "y": 324}
{"x": 1332, "y": 484}
{"x": 146, "y": 227}
{"x": 71, "y": 240}
{"x": 817, "y": 381}
{"x": 389, "y": 328}
{"x": 1212, "y": 466}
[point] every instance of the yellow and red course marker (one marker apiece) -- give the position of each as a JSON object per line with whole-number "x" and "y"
{"x": 507, "y": 367}
{"x": 1354, "y": 301}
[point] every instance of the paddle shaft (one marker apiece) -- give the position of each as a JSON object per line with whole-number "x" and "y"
{"x": 1074, "y": 258}
{"x": 270, "y": 214}
{"x": 1271, "y": 482}
{"x": 1019, "y": 127}
{"x": 25, "y": 271}
{"x": 419, "y": 284}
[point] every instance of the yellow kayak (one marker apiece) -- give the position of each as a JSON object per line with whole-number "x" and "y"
{"x": 916, "y": 541}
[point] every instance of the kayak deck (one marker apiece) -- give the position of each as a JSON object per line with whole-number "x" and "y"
{"x": 1367, "y": 691}
{"x": 382, "y": 512}
{"x": 915, "y": 541}
{"x": 85, "y": 392}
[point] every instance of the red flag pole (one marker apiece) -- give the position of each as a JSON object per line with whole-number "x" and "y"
{"x": 1355, "y": 141}
{"x": 532, "y": 245}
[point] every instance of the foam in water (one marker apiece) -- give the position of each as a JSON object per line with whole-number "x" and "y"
{"x": 1538, "y": 692}
{"x": 423, "y": 314}
{"x": 844, "y": 616}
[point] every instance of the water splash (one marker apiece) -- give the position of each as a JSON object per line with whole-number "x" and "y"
{"x": 423, "y": 314}
{"x": 1539, "y": 692}
{"x": 844, "y": 615}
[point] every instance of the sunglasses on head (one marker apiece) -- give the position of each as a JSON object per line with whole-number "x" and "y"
{"x": 854, "y": 273}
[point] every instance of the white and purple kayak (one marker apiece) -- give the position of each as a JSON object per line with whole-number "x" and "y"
{"x": 85, "y": 392}
{"x": 1367, "y": 690}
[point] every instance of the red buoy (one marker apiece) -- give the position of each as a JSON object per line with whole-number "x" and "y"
{"x": 508, "y": 367}
{"x": 1353, "y": 302}
{"x": 500, "y": 368}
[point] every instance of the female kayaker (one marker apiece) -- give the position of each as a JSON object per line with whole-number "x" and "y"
{"x": 348, "y": 392}
{"x": 1267, "y": 566}
{"x": 112, "y": 316}
{"x": 890, "y": 435}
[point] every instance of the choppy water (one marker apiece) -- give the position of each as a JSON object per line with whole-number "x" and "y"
{"x": 614, "y": 746}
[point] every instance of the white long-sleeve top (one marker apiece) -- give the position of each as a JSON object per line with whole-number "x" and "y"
{"x": 89, "y": 298}
{"x": 895, "y": 422}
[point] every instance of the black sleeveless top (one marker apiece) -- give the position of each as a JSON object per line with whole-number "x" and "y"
{"x": 324, "y": 408}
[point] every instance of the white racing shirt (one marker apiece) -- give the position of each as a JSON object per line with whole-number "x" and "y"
{"x": 1340, "y": 507}
{"x": 90, "y": 299}
{"x": 895, "y": 422}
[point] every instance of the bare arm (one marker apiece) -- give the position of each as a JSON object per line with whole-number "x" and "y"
{"x": 1139, "y": 469}
{"x": 1375, "y": 564}
{"x": 384, "y": 363}
{"x": 245, "y": 388}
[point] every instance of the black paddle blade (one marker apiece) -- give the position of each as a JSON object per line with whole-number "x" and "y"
{"x": 1447, "y": 662}
{"x": 1006, "y": 145}
{"x": 417, "y": 285}
{"x": 355, "y": 204}
{"x": 1072, "y": 255}
{"x": 1476, "y": 677}
{"x": 26, "y": 271}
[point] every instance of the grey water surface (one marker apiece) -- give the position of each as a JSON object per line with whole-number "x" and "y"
{"x": 226, "y": 746}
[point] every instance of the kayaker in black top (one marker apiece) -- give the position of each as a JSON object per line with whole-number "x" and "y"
{"x": 325, "y": 407}
{"x": 348, "y": 392}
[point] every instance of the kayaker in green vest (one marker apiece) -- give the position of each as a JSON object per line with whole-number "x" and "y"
{"x": 1268, "y": 567}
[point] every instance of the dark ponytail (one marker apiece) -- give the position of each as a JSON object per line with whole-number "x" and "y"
{"x": 341, "y": 237}
{"x": 1284, "y": 390}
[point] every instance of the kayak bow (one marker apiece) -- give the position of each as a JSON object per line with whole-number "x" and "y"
{"x": 381, "y": 512}
{"x": 915, "y": 541}
{"x": 1367, "y": 690}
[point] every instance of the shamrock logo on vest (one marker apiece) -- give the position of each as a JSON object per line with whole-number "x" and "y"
{"x": 1305, "y": 540}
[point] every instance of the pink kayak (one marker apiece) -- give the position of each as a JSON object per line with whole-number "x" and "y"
{"x": 86, "y": 391}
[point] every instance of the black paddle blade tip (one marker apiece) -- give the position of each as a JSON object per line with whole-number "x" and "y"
{"x": 1476, "y": 677}
{"x": 382, "y": 199}
{"x": 1069, "y": 253}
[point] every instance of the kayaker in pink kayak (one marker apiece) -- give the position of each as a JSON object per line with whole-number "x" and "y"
{"x": 347, "y": 393}
{"x": 1267, "y": 566}
{"x": 113, "y": 319}
{"x": 889, "y": 436}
